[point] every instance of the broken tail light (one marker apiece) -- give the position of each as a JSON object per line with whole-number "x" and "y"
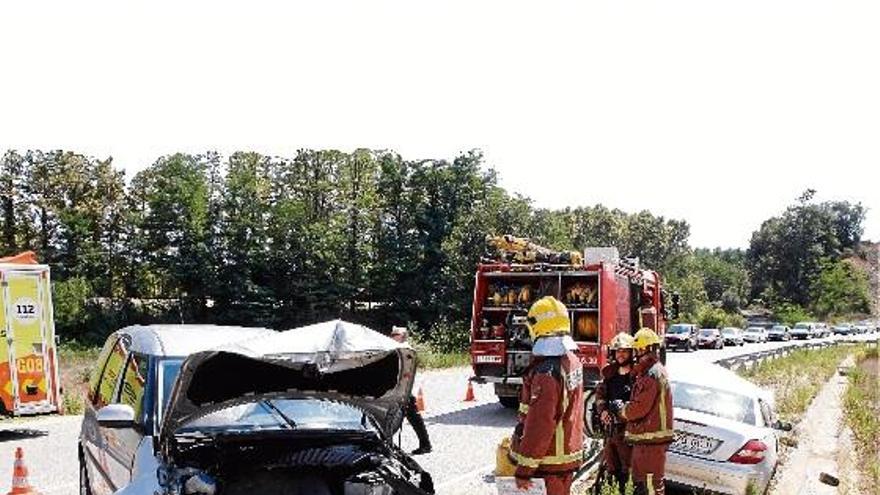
{"x": 751, "y": 453}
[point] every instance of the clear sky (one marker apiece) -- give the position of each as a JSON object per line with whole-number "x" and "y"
{"x": 719, "y": 113}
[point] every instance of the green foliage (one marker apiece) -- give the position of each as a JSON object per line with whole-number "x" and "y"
{"x": 258, "y": 240}
{"x": 787, "y": 253}
{"x": 69, "y": 300}
{"x": 610, "y": 487}
{"x": 711, "y": 317}
{"x": 789, "y": 314}
{"x": 841, "y": 289}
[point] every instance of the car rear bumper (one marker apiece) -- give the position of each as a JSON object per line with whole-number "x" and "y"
{"x": 718, "y": 477}
{"x": 678, "y": 344}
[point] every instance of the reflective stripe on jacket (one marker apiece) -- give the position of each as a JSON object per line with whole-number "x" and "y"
{"x": 648, "y": 413}
{"x": 549, "y": 435}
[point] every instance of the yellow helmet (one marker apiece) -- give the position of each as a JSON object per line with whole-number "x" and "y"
{"x": 622, "y": 340}
{"x": 548, "y": 317}
{"x": 645, "y": 338}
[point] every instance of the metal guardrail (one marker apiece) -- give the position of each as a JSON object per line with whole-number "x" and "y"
{"x": 751, "y": 359}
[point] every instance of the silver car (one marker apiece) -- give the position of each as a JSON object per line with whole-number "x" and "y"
{"x": 190, "y": 410}
{"x": 726, "y": 431}
{"x": 755, "y": 334}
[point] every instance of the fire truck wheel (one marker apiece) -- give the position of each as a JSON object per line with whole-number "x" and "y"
{"x": 509, "y": 402}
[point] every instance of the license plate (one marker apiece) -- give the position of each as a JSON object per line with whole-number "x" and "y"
{"x": 696, "y": 444}
{"x": 488, "y": 359}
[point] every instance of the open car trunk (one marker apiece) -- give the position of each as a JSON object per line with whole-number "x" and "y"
{"x": 356, "y": 379}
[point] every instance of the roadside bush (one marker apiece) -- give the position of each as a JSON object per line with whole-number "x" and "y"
{"x": 789, "y": 313}
{"x": 72, "y": 403}
{"x": 447, "y": 337}
{"x": 69, "y": 300}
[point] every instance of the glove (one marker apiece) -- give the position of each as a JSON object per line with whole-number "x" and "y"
{"x": 615, "y": 406}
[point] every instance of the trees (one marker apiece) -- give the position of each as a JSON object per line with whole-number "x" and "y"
{"x": 787, "y": 253}
{"x": 253, "y": 239}
{"x": 841, "y": 289}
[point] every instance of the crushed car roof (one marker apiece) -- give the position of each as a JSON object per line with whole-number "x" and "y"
{"x": 334, "y": 360}
{"x": 183, "y": 340}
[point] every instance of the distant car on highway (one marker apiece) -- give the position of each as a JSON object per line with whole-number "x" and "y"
{"x": 779, "y": 332}
{"x": 726, "y": 431}
{"x": 732, "y": 336}
{"x": 822, "y": 330}
{"x": 710, "y": 338}
{"x": 803, "y": 330}
{"x": 861, "y": 329}
{"x": 842, "y": 329}
{"x": 682, "y": 336}
{"x": 755, "y": 335}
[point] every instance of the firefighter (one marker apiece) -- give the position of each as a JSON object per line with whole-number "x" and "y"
{"x": 412, "y": 411}
{"x": 648, "y": 415}
{"x": 616, "y": 384}
{"x": 548, "y": 440}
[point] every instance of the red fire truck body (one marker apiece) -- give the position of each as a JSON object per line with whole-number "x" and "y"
{"x": 603, "y": 298}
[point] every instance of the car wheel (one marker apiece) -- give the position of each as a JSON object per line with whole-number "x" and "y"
{"x": 84, "y": 488}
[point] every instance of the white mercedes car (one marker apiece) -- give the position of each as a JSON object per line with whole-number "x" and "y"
{"x": 726, "y": 431}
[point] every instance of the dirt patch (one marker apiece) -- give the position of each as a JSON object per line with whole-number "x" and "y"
{"x": 871, "y": 366}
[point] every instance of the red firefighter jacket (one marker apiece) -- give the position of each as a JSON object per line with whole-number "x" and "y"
{"x": 648, "y": 413}
{"x": 549, "y": 435}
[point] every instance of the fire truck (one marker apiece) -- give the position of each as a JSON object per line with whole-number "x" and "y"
{"x": 604, "y": 293}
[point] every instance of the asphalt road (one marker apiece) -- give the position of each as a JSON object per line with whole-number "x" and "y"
{"x": 464, "y": 434}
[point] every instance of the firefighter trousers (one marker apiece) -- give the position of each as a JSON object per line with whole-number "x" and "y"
{"x": 649, "y": 469}
{"x": 616, "y": 455}
{"x": 557, "y": 483}
{"x": 417, "y": 422}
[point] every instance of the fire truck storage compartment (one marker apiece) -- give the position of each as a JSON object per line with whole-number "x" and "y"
{"x": 504, "y": 308}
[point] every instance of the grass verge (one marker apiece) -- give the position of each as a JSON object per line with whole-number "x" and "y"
{"x": 861, "y": 407}
{"x": 435, "y": 360}
{"x": 76, "y": 362}
{"x": 797, "y": 377}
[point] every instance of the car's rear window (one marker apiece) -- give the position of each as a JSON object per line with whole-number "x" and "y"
{"x": 717, "y": 402}
{"x": 679, "y": 329}
{"x": 707, "y": 333}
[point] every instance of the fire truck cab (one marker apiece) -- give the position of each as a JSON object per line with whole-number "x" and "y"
{"x": 604, "y": 294}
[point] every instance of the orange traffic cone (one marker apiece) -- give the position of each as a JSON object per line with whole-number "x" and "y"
{"x": 20, "y": 485}
{"x": 469, "y": 395}
{"x": 420, "y": 401}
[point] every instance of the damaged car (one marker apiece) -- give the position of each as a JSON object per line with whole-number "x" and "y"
{"x": 204, "y": 410}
